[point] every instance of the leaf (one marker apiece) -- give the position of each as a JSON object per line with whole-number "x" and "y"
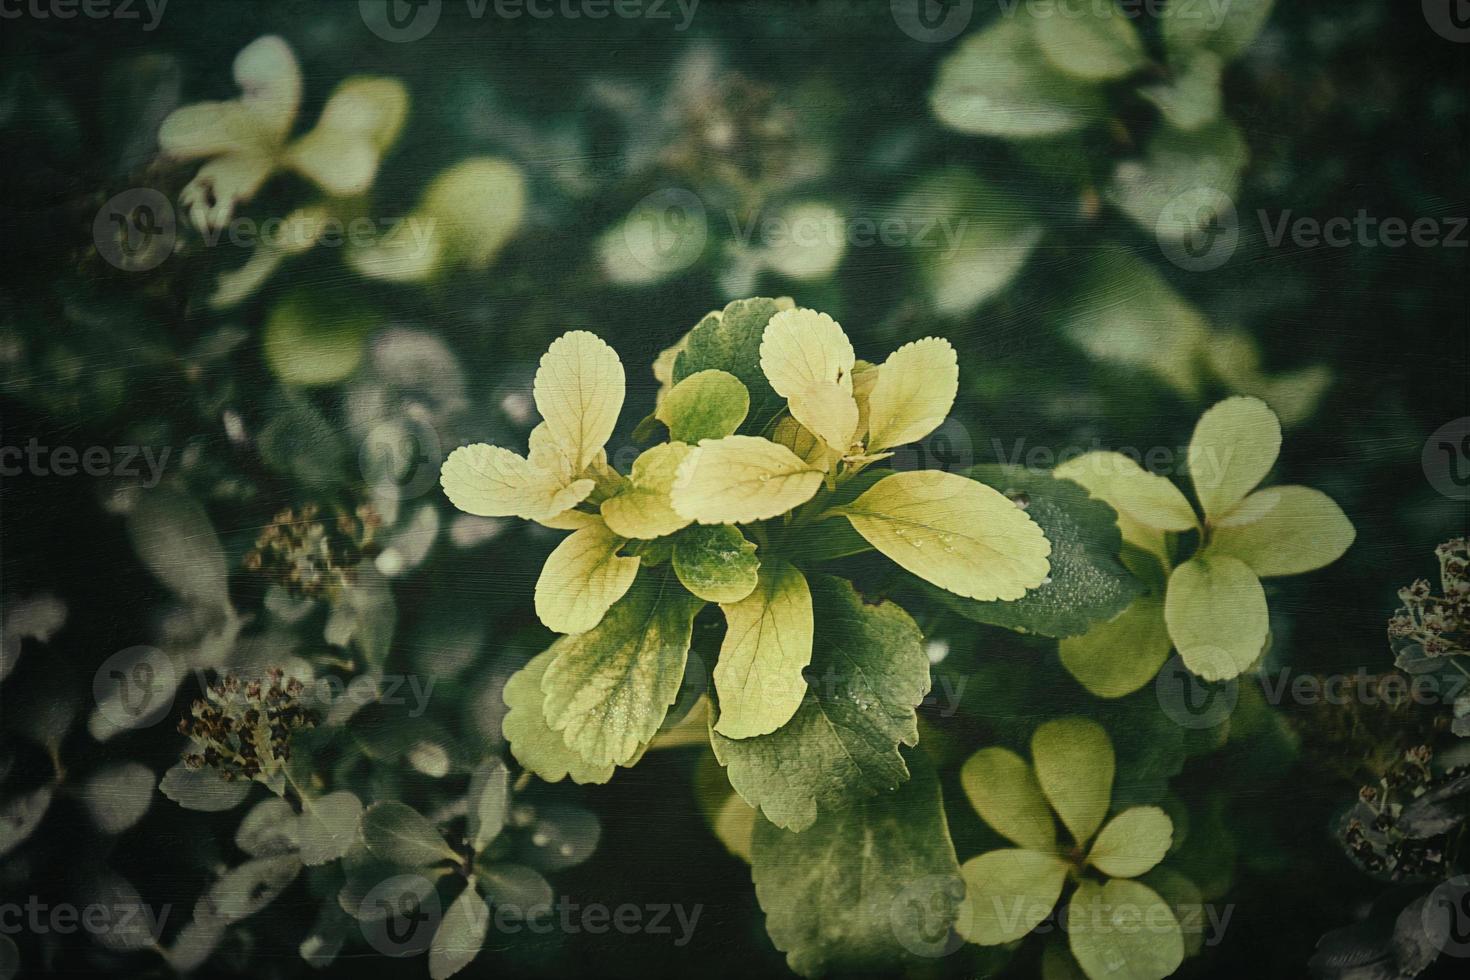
{"x": 119, "y": 796}
{"x": 579, "y": 391}
{"x": 1004, "y": 791}
{"x": 804, "y": 443}
{"x": 1217, "y": 615}
{"x": 328, "y": 826}
{"x": 1234, "y": 446}
{"x": 865, "y": 885}
{"x": 533, "y": 742}
{"x": 809, "y": 361}
{"x": 730, "y": 340}
{"x": 1074, "y": 766}
{"x": 1284, "y": 531}
{"x": 488, "y": 801}
{"x": 461, "y": 933}
{"x": 768, "y": 642}
{"x": 643, "y": 510}
{"x": 1090, "y": 41}
{"x": 359, "y": 122}
{"x": 1193, "y": 99}
{"x": 868, "y": 674}
{"x": 315, "y": 339}
{"x": 247, "y": 888}
{"x": 706, "y": 405}
{"x": 1087, "y": 583}
{"x": 1008, "y": 893}
{"x": 1123, "y": 930}
{"x": 474, "y": 208}
{"x": 1116, "y": 658}
{"x": 740, "y": 479}
{"x": 271, "y": 827}
{"x": 398, "y": 833}
{"x": 716, "y": 563}
{"x": 609, "y": 689}
{"x": 1226, "y": 29}
{"x": 175, "y": 539}
{"x": 126, "y": 922}
{"x": 913, "y": 393}
{"x": 958, "y": 534}
{"x": 21, "y": 815}
{"x": 1133, "y": 842}
{"x": 203, "y": 789}
{"x": 998, "y": 83}
{"x": 582, "y": 578}
{"x": 1184, "y": 183}
{"x": 490, "y": 481}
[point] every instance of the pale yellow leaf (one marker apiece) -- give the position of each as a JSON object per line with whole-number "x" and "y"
{"x": 642, "y": 509}
{"x": 740, "y": 479}
{"x": 914, "y": 392}
{"x": 582, "y": 577}
{"x": 579, "y": 392}
{"x": 1217, "y": 615}
{"x": 491, "y": 481}
{"x": 1284, "y": 531}
{"x": 1234, "y": 446}
{"x": 768, "y": 642}
{"x": 809, "y": 361}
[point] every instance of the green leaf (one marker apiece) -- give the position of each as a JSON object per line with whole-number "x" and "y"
{"x": 312, "y": 338}
{"x": 1284, "y": 531}
{"x": 1123, "y": 930}
{"x": 1234, "y": 446}
{"x": 1217, "y": 615}
{"x": 517, "y": 889}
{"x": 1004, "y": 791}
{"x": 730, "y": 340}
{"x": 247, "y": 888}
{"x": 1132, "y": 842}
{"x": 21, "y": 815}
{"x": 460, "y": 935}
{"x": 1088, "y": 584}
{"x": 1224, "y": 28}
{"x": 203, "y": 789}
{"x": 328, "y": 826}
{"x": 1091, "y": 41}
{"x": 117, "y": 797}
{"x": 868, "y": 674}
{"x": 1193, "y": 98}
{"x": 1184, "y": 181}
{"x": 642, "y": 510}
{"x": 706, "y": 405}
{"x": 998, "y": 83}
{"x": 1074, "y": 765}
{"x": 716, "y": 562}
{"x": 865, "y": 886}
{"x": 1116, "y": 658}
{"x": 397, "y": 832}
{"x": 488, "y": 800}
{"x": 1008, "y": 893}
{"x": 953, "y": 532}
{"x": 533, "y": 742}
{"x": 768, "y": 642}
{"x": 609, "y": 689}
{"x": 582, "y": 578}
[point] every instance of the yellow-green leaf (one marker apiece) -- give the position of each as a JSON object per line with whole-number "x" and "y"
{"x": 359, "y": 122}
{"x": 1284, "y": 531}
{"x": 1146, "y": 502}
{"x": 716, "y": 562}
{"x": 768, "y": 642}
{"x": 582, "y": 578}
{"x": 1004, "y": 791}
{"x": 491, "y": 481}
{"x": 1234, "y": 446}
{"x": 1074, "y": 766}
{"x": 740, "y": 479}
{"x": 956, "y": 533}
{"x": 1123, "y": 930}
{"x": 808, "y": 361}
{"x": 706, "y": 405}
{"x": 533, "y": 742}
{"x": 609, "y": 689}
{"x": 1217, "y": 615}
{"x": 913, "y": 393}
{"x": 802, "y": 441}
{"x": 1116, "y": 658}
{"x": 579, "y": 392}
{"x": 1092, "y": 41}
{"x": 1007, "y": 894}
{"x": 642, "y": 510}
{"x": 1132, "y": 842}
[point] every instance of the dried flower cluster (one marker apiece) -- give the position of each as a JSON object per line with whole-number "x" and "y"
{"x": 244, "y": 728}
{"x": 1436, "y": 626}
{"x": 1400, "y": 828}
{"x": 311, "y": 556}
